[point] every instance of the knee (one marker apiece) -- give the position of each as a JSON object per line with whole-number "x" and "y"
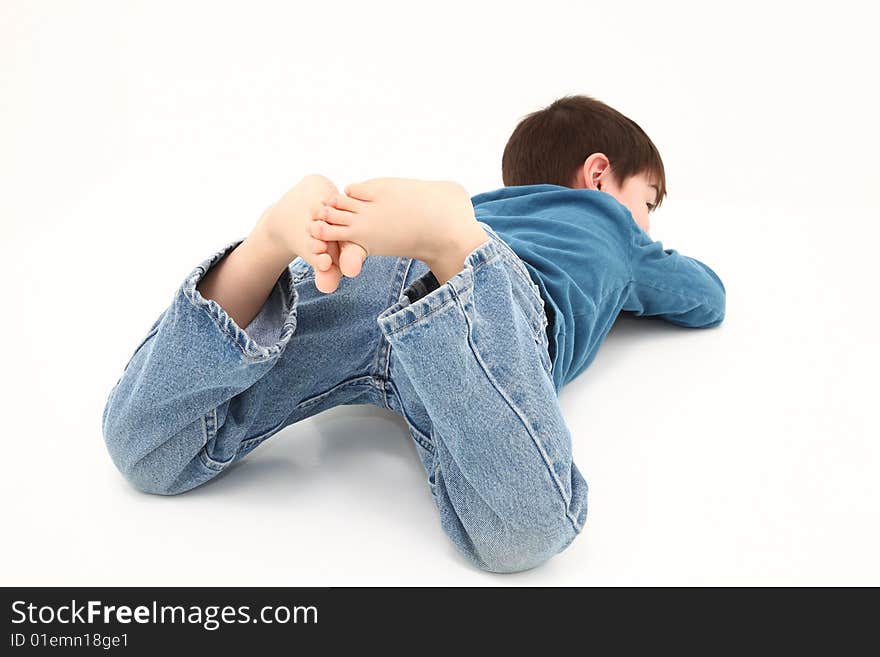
{"x": 175, "y": 466}
{"x": 149, "y": 473}
{"x": 147, "y": 477}
{"x": 521, "y": 550}
{"x": 152, "y": 480}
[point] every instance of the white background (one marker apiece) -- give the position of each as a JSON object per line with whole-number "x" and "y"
{"x": 136, "y": 138}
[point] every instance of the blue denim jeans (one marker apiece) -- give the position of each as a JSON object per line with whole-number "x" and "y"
{"x": 467, "y": 364}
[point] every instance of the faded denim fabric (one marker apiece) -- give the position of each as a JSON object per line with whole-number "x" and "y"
{"x": 464, "y": 363}
{"x": 474, "y": 366}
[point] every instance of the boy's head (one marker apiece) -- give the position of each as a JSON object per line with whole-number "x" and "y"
{"x": 583, "y": 143}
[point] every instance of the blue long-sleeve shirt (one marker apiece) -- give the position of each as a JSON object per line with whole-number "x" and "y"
{"x": 591, "y": 260}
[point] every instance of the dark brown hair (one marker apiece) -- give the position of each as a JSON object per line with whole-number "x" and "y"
{"x": 549, "y": 145}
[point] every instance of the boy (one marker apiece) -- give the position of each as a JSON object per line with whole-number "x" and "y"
{"x": 468, "y": 336}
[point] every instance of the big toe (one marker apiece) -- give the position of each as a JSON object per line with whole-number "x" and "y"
{"x": 327, "y": 281}
{"x": 351, "y": 258}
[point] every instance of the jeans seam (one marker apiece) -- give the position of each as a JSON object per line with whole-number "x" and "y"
{"x": 362, "y": 379}
{"x": 384, "y": 351}
{"x": 263, "y": 436}
{"x": 209, "y": 432}
{"x": 420, "y": 438}
{"x": 535, "y": 440}
{"x": 213, "y": 463}
{"x": 520, "y": 267}
{"x": 540, "y": 321}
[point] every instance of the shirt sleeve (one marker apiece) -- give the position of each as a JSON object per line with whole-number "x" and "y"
{"x": 163, "y": 421}
{"x": 674, "y": 287}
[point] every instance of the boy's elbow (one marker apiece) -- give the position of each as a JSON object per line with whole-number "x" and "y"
{"x": 716, "y": 320}
{"x": 716, "y": 310}
{"x": 708, "y": 314}
{"x": 716, "y": 302}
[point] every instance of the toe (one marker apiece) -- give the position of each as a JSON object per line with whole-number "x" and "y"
{"x": 323, "y": 261}
{"x": 343, "y": 202}
{"x": 319, "y": 262}
{"x": 338, "y": 217}
{"x": 330, "y": 233}
{"x": 362, "y": 191}
{"x": 351, "y": 258}
{"x": 328, "y": 281}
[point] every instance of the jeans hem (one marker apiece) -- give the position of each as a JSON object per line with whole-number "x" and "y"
{"x": 250, "y": 348}
{"x": 423, "y": 296}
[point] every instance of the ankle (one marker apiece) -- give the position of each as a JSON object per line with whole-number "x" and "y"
{"x": 450, "y": 260}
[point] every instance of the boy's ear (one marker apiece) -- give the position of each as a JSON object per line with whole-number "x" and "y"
{"x": 593, "y": 169}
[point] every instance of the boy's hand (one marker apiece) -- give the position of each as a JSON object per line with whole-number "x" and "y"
{"x": 427, "y": 220}
{"x": 287, "y": 224}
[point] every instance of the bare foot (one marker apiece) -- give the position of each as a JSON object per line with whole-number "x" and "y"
{"x": 427, "y": 220}
{"x": 288, "y": 223}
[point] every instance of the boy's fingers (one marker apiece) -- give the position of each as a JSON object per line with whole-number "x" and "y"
{"x": 318, "y": 246}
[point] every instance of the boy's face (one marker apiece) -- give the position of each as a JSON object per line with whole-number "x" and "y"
{"x": 638, "y": 193}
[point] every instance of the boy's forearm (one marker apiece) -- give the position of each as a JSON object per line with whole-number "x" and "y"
{"x": 242, "y": 281}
